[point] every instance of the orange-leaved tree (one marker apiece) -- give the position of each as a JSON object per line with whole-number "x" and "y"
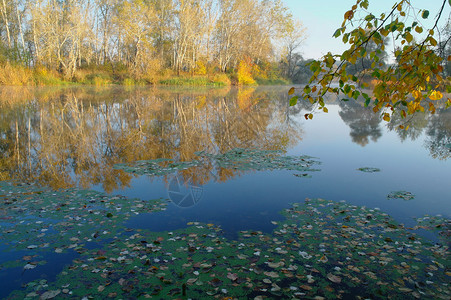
{"x": 414, "y": 82}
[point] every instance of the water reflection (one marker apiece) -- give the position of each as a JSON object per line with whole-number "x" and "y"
{"x": 365, "y": 125}
{"x": 74, "y": 136}
{"x": 363, "y": 122}
{"x": 67, "y": 137}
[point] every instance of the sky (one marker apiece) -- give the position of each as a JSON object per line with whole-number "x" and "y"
{"x": 323, "y": 17}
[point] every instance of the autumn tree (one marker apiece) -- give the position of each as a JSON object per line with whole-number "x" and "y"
{"x": 414, "y": 83}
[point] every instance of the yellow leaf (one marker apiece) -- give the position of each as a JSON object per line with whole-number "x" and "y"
{"x": 310, "y": 116}
{"x": 314, "y": 89}
{"x": 291, "y": 91}
{"x": 435, "y": 95}
{"x": 325, "y": 109}
{"x": 417, "y": 94}
{"x": 386, "y": 117}
{"x": 419, "y": 29}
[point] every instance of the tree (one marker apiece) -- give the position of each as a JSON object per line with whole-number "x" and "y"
{"x": 414, "y": 83}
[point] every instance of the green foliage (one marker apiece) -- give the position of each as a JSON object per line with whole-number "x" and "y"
{"x": 411, "y": 85}
{"x": 192, "y": 81}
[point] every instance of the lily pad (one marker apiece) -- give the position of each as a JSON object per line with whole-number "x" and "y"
{"x": 369, "y": 169}
{"x": 321, "y": 249}
{"x": 236, "y": 159}
{"x": 401, "y": 195}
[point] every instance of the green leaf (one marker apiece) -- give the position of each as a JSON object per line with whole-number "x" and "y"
{"x": 337, "y": 33}
{"x": 425, "y": 14}
{"x": 364, "y": 4}
{"x": 369, "y": 17}
{"x": 377, "y": 36}
{"x": 367, "y": 102}
{"x": 345, "y": 99}
{"x": 294, "y": 100}
{"x": 376, "y": 74}
{"x": 347, "y": 89}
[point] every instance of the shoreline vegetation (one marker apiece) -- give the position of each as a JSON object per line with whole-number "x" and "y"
{"x": 18, "y": 75}
{"x": 135, "y": 42}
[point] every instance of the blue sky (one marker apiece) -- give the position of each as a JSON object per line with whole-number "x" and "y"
{"x": 323, "y": 17}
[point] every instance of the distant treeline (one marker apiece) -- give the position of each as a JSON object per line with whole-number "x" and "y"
{"x": 198, "y": 42}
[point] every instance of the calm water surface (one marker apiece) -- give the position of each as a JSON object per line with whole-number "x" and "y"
{"x": 73, "y": 137}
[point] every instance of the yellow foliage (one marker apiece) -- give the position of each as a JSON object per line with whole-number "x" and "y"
{"x": 244, "y": 74}
{"x": 416, "y": 72}
{"x": 435, "y": 95}
{"x": 221, "y": 79}
{"x": 15, "y": 75}
{"x": 201, "y": 69}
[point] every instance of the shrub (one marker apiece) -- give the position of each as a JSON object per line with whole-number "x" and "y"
{"x": 244, "y": 75}
{"x": 221, "y": 79}
{"x": 15, "y": 75}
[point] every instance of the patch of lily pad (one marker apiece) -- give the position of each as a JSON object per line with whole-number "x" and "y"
{"x": 236, "y": 159}
{"x": 401, "y": 195}
{"x": 369, "y": 169}
{"x": 321, "y": 249}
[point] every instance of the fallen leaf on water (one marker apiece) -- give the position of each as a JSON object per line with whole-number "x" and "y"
{"x": 50, "y": 295}
{"x": 333, "y": 278}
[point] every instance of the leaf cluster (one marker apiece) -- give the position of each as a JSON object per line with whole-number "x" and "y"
{"x": 413, "y": 84}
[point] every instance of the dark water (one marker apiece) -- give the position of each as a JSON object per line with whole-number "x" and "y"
{"x": 73, "y": 137}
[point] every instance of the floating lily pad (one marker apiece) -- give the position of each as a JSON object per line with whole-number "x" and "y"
{"x": 369, "y": 170}
{"x": 236, "y": 159}
{"x": 401, "y": 195}
{"x": 322, "y": 249}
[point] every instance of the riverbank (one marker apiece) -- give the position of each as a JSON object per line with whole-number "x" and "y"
{"x": 17, "y": 75}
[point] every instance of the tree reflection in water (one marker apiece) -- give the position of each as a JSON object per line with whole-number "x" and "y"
{"x": 74, "y": 136}
{"x": 365, "y": 125}
{"x": 362, "y": 121}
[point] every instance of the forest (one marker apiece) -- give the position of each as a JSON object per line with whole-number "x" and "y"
{"x": 194, "y": 42}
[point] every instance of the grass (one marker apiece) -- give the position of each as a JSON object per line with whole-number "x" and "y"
{"x": 196, "y": 81}
{"x": 101, "y": 76}
{"x": 15, "y": 75}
